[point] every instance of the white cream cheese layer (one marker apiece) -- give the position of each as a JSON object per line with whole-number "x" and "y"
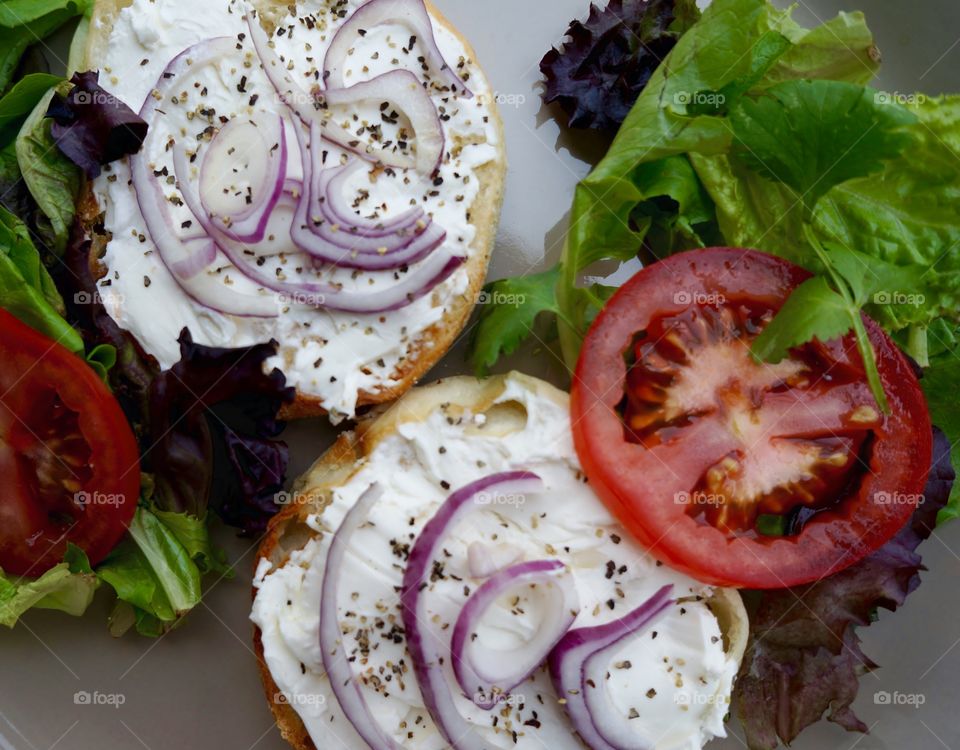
{"x": 325, "y": 354}
{"x": 675, "y": 680}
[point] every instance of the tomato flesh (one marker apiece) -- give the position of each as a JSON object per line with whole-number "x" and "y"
{"x": 697, "y": 365}
{"x": 689, "y": 440}
{"x": 67, "y": 453}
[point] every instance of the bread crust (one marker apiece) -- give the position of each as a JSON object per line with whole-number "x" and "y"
{"x": 434, "y": 342}
{"x": 288, "y": 531}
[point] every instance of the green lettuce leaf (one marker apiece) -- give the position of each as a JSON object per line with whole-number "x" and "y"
{"x": 102, "y": 358}
{"x": 842, "y": 49}
{"x": 738, "y": 47}
{"x": 815, "y": 135}
{"x": 194, "y": 534}
{"x": 153, "y": 571}
{"x": 53, "y": 180}
{"x": 17, "y": 14}
{"x": 20, "y": 101}
{"x": 15, "y": 40}
{"x": 68, "y": 587}
{"x": 905, "y": 218}
{"x": 508, "y": 311}
{"x": 939, "y": 384}
{"x": 26, "y": 289}
{"x": 814, "y": 310}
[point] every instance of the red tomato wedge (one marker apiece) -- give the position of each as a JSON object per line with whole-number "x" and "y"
{"x": 691, "y": 442}
{"x": 68, "y": 457}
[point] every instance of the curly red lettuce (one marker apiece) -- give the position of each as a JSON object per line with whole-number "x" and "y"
{"x": 605, "y": 61}
{"x": 804, "y": 658}
{"x": 92, "y": 127}
{"x": 219, "y": 406}
{"x": 207, "y": 426}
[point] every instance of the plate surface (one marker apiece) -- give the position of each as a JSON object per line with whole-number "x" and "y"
{"x": 198, "y": 688}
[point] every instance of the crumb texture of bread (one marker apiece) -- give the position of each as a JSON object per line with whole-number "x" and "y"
{"x": 429, "y": 346}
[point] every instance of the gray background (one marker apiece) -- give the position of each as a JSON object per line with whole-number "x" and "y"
{"x": 198, "y": 687}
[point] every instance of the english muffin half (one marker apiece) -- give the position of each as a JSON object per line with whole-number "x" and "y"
{"x": 401, "y": 314}
{"x": 418, "y": 451}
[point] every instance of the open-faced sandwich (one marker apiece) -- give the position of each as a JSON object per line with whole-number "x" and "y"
{"x": 324, "y": 174}
{"x": 449, "y": 579}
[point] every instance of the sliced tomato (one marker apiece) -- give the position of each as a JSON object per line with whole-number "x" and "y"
{"x": 691, "y": 442}
{"x": 68, "y": 457}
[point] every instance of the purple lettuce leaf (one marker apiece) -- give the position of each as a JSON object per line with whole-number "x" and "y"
{"x": 207, "y": 426}
{"x": 604, "y": 63}
{"x": 804, "y": 659}
{"x": 222, "y": 405}
{"x": 92, "y": 127}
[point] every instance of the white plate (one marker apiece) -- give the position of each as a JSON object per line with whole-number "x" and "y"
{"x": 197, "y": 688}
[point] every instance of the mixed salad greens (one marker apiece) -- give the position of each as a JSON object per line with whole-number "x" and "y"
{"x": 756, "y": 132}
{"x": 206, "y": 428}
{"x": 747, "y": 130}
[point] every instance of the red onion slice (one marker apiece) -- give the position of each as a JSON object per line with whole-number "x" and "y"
{"x": 414, "y": 284}
{"x": 487, "y": 674}
{"x": 427, "y": 644}
{"x": 404, "y": 90}
{"x": 336, "y": 660}
{"x": 349, "y": 221}
{"x": 590, "y": 713}
{"x": 409, "y": 243}
{"x": 201, "y": 252}
{"x": 400, "y": 87}
{"x": 262, "y": 142}
{"x": 410, "y": 13}
{"x": 306, "y": 293}
{"x": 316, "y": 235}
{"x": 207, "y": 289}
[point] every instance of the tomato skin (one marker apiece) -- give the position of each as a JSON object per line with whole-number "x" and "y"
{"x": 55, "y": 413}
{"x": 639, "y": 489}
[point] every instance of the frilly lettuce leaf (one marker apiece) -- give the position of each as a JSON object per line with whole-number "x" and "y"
{"x": 68, "y": 587}
{"x": 53, "y": 180}
{"x": 737, "y": 47}
{"x": 605, "y": 61}
{"x": 26, "y": 289}
{"x": 152, "y": 571}
{"x": 904, "y": 219}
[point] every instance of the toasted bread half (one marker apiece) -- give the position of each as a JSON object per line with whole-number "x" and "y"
{"x": 433, "y": 343}
{"x": 289, "y": 532}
